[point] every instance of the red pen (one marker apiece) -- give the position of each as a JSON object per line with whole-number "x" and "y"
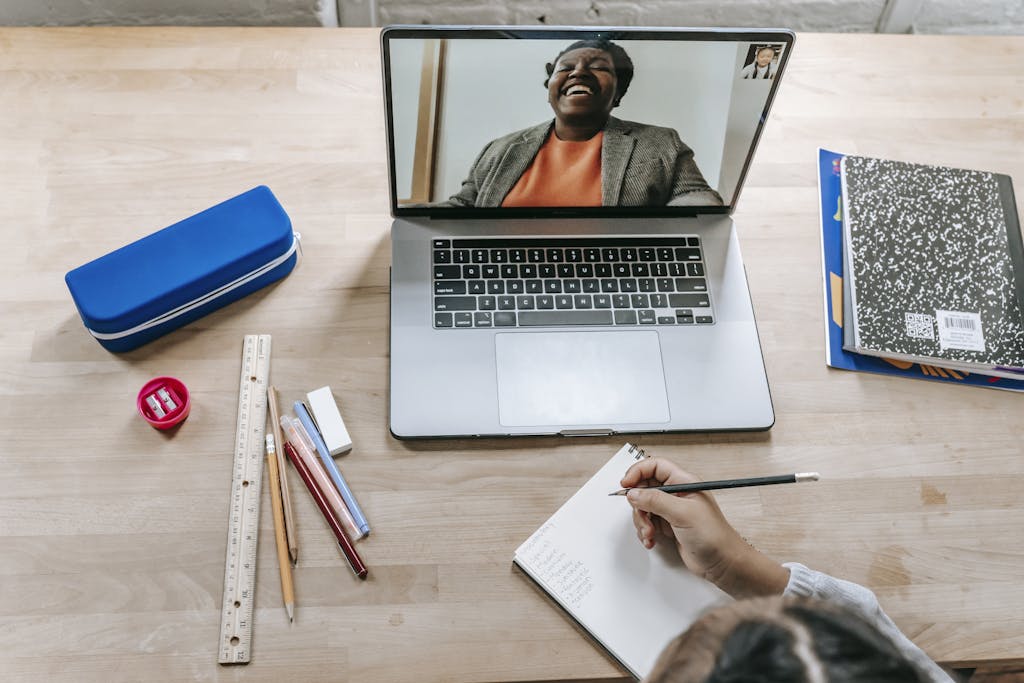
{"x": 346, "y": 545}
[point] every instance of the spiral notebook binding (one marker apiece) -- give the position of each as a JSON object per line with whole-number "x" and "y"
{"x": 636, "y": 451}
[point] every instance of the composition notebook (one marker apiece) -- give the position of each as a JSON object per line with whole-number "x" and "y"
{"x": 588, "y": 559}
{"x": 934, "y": 265}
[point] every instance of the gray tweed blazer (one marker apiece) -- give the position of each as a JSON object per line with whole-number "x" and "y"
{"x": 641, "y": 165}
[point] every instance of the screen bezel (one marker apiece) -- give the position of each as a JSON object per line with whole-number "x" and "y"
{"x": 389, "y": 33}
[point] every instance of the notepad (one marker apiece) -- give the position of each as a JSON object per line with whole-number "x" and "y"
{"x": 587, "y": 557}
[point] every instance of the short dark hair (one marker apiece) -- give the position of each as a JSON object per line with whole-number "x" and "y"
{"x": 620, "y": 61}
{"x": 779, "y": 640}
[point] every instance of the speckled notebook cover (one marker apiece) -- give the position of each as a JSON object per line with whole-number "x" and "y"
{"x": 935, "y": 263}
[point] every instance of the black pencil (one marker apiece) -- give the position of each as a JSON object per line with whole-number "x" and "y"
{"x": 728, "y": 483}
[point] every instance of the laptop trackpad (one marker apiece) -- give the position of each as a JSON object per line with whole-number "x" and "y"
{"x": 580, "y": 378}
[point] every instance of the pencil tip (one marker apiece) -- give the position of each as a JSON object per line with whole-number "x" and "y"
{"x": 291, "y": 612}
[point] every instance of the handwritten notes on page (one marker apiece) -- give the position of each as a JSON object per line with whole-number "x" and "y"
{"x": 588, "y": 559}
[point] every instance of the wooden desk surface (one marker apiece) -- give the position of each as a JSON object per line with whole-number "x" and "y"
{"x": 112, "y": 534}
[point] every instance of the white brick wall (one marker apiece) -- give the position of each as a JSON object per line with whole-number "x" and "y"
{"x": 934, "y": 16}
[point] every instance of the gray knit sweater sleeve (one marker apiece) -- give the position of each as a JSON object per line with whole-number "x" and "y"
{"x": 806, "y": 582}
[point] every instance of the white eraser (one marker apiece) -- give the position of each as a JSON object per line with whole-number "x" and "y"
{"x": 328, "y": 421}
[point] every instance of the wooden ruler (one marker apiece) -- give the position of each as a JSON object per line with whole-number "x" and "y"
{"x": 244, "y": 511}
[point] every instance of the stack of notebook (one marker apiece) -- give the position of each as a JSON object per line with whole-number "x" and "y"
{"x": 924, "y": 265}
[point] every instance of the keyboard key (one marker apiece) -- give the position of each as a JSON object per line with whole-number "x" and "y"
{"x": 566, "y": 270}
{"x": 664, "y": 254}
{"x": 509, "y": 271}
{"x": 639, "y": 301}
{"x": 640, "y": 270}
{"x": 545, "y": 301}
{"x": 688, "y": 300}
{"x": 591, "y": 286}
{"x": 505, "y": 319}
{"x": 647, "y": 253}
{"x": 625, "y": 317}
{"x": 525, "y": 302}
{"x": 495, "y": 287}
{"x": 442, "y": 244}
{"x": 527, "y": 270}
{"x": 442, "y": 320}
{"x": 687, "y": 254}
{"x": 552, "y": 286}
{"x": 620, "y": 270}
{"x": 684, "y": 317}
{"x": 554, "y": 255}
{"x": 629, "y": 254}
{"x": 645, "y": 284}
{"x": 547, "y": 270}
{"x": 666, "y": 320}
{"x": 542, "y": 318}
{"x": 470, "y": 272}
{"x": 517, "y": 255}
{"x": 535, "y": 255}
{"x": 479, "y": 256}
{"x": 602, "y": 270}
{"x": 463, "y": 320}
{"x": 695, "y": 269}
{"x": 659, "y": 301}
{"x": 659, "y": 270}
{"x": 621, "y": 300}
{"x": 583, "y": 301}
{"x": 534, "y": 286}
{"x": 573, "y": 255}
{"x": 677, "y": 269}
{"x": 693, "y": 241}
{"x": 447, "y": 272}
{"x": 609, "y": 286}
{"x": 563, "y": 301}
{"x": 602, "y": 301}
{"x": 628, "y": 285}
{"x": 487, "y": 303}
{"x": 704, "y": 320}
{"x": 592, "y": 255}
{"x": 454, "y": 303}
{"x": 460, "y": 256}
{"x": 490, "y": 271}
{"x": 442, "y": 256}
{"x": 610, "y": 254}
{"x": 506, "y": 303}
{"x": 572, "y": 286}
{"x": 450, "y": 287}
{"x": 665, "y": 284}
{"x": 482, "y": 319}
{"x": 647, "y": 317}
{"x": 584, "y": 270}
{"x": 691, "y": 284}
{"x": 514, "y": 287}
{"x": 499, "y": 256}
{"x": 477, "y": 287}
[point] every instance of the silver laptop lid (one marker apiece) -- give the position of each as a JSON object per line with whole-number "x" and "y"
{"x": 680, "y": 112}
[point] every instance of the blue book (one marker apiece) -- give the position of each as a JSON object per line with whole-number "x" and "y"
{"x": 830, "y": 205}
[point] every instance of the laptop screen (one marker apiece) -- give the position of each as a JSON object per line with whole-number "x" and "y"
{"x": 509, "y": 121}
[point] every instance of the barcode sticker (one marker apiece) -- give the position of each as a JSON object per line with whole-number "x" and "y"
{"x": 959, "y": 330}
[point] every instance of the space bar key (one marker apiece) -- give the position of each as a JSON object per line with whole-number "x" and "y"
{"x": 548, "y": 318}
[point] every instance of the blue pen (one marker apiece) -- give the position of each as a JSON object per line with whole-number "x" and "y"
{"x": 332, "y": 469}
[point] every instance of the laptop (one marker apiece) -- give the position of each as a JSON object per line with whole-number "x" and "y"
{"x": 564, "y": 259}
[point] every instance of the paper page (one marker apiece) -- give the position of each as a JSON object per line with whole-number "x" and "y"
{"x": 587, "y": 556}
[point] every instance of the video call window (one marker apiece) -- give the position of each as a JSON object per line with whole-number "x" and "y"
{"x": 483, "y": 122}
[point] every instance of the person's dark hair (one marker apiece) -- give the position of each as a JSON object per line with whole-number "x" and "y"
{"x": 620, "y": 60}
{"x": 782, "y": 640}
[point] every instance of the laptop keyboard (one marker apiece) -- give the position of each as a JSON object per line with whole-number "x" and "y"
{"x": 538, "y": 282}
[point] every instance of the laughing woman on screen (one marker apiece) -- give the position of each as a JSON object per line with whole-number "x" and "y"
{"x": 585, "y": 156}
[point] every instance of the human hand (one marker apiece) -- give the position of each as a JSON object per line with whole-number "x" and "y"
{"x": 708, "y": 545}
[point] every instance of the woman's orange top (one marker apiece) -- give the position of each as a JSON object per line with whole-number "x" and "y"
{"x": 564, "y": 173}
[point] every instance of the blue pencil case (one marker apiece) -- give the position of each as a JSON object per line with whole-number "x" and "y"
{"x": 174, "y": 276}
